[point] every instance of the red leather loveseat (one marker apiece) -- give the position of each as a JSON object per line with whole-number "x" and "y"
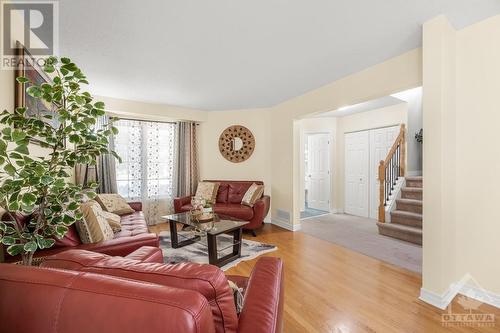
{"x": 133, "y": 235}
{"x": 228, "y": 202}
{"x": 82, "y": 291}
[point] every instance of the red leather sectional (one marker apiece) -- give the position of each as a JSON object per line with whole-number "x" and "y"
{"x": 81, "y": 291}
{"x": 228, "y": 202}
{"x": 133, "y": 235}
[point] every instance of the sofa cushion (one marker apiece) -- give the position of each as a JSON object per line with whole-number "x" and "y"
{"x": 222, "y": 193}
{"x": 113, "y": 221}
{"x": 147, "y": 254}
{"x": 253, "y": 193}
{"x": 234, "y": 210}
{"x": 114, "y": 203}
{"x": 207, "y": 280}
{"x": 237, "y": 191}
{"x": 93, "y": 228}
{"x": 207, "y": 191}
{"x": 132, "y": 224}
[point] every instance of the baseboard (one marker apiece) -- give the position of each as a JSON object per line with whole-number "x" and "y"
{"x": 462, "y": 287}
{"x": 439, "y": 301}
{"x": 267, "y": 219}
{"x": 481, "y": 295}
{"x": 414, "y": 173}
{"x": 286, "y": 225}
{"x": 337, "y": 211}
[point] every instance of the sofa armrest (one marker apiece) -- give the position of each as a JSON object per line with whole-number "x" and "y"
{"x": 263, "y": 305}
{"x": 136, "y": 205}
{"x": 260, "y": 210}
{"x": 207, "y": 280}
{"x": 147, "y": 254}
{"x": 181, "y": 201}
{"x": 261, "y": 206}
{"x": 122, "y": 246}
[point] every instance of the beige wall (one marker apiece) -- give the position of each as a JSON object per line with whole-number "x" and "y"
{"x": 397, "y": 74}
{"x": 214, "y": 166}
{"x": 461, "y": 156}
{"x": 478, "y": 152}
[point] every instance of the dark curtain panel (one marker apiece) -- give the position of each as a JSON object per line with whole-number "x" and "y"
{"x": 103, "y": 172}
{"x": 186, "y": 162}
{"x": 106, "y": 169}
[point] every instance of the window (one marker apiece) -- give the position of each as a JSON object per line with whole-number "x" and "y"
{"x": 147, "y": 150}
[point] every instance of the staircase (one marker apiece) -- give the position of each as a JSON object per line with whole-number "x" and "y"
{"x": 406, "y": 220}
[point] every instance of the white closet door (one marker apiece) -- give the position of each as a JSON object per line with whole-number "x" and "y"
{"x": 357, "y": 173}
{"x": 381, "y": 141}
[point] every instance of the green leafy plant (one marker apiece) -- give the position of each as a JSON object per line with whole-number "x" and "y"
{"x": 41, "y": 186}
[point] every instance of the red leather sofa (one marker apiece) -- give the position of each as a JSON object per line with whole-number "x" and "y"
{"x": 82, "y": 291}
{"x": 228, "y": 202}
{"x": 133, "y": 235}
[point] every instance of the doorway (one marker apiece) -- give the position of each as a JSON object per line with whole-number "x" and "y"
{"x": 317, "y": 173}
{"x": 363, "y": 152}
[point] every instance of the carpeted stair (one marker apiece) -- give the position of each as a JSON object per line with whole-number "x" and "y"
{"x": 406, "y": 220}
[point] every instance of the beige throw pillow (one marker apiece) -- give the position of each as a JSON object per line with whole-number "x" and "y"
{"x": 114, "y": 203}
{"x": 113, "y": 220}
{"x": 207, "y": 191}
{"x": 93, "y": 228}
{"x": 253, "y": 194}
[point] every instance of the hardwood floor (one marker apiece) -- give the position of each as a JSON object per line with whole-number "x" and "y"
{"x": 329, "y": 288}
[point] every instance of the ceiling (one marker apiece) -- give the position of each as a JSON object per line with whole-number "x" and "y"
{"x": 227, "y": 54}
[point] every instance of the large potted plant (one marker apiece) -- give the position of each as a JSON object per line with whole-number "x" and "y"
{"x": 41, "y": 186}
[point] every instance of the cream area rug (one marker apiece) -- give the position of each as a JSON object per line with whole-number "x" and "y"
{"x": 198, "y": 251}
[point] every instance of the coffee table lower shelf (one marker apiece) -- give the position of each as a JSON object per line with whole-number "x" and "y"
{"x": 213, "y": 256}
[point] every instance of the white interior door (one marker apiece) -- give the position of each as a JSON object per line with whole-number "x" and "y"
{"x": 318, "y": 171}
{"x": 356, "y": 173}
{"x": 381, "y": 141}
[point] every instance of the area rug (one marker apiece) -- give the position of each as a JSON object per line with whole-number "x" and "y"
{"x": 198, "y": 251}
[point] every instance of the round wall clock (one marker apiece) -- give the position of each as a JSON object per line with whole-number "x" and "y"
{"x": 236, "y": 143}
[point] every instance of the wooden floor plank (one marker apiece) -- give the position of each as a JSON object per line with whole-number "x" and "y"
{"x": 329, "y": 288}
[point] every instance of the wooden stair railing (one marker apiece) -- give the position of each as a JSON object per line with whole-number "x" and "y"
{"x": 390, "y": 170}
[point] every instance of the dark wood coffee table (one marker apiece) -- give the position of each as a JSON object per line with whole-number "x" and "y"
{"x": 220, "y": 225}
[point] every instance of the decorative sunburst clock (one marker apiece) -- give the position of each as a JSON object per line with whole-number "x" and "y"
{"x": 236, "y": 143}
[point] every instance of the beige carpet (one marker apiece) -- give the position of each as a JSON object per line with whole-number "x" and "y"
{"x": 361, "y": 235}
